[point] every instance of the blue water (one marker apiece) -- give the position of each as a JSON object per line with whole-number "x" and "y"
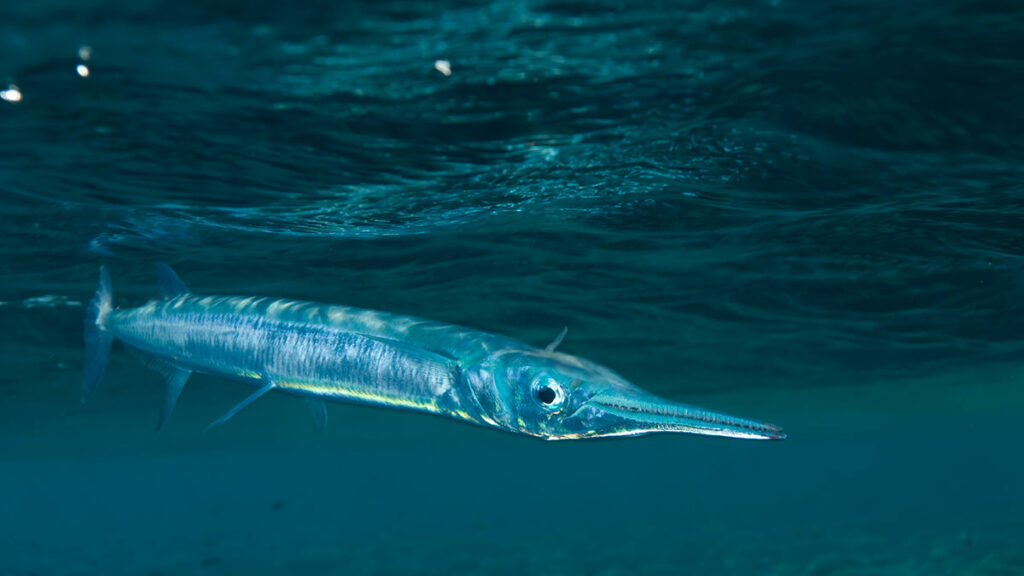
{"x": 803, "y": 212}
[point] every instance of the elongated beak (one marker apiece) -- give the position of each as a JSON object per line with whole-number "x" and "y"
{"x": 639, "y": 412}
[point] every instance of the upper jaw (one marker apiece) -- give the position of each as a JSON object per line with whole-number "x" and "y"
{"x": 636, "y": 412}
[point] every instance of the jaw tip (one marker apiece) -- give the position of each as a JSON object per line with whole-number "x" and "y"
{"x": 765, "y": 430}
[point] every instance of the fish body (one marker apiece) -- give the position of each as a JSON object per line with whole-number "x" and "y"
{"x": 337, "y": 353}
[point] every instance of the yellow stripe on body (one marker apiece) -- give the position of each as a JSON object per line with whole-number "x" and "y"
{"x": 334, "y": 390}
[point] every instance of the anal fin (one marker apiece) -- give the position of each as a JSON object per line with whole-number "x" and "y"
{"x": 318, "y": 409}
{"x": 176, "y": 378}
{"x": 241, "y": 405}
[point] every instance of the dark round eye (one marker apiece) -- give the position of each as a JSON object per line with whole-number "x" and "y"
{"x": 549, "y": 393}
{"x": 546, "y": 394}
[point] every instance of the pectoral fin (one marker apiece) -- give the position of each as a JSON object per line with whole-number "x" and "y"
{"x": 318, "y": 410}
{"x": 558, "y": 340}
{"x": 238, "y": 407}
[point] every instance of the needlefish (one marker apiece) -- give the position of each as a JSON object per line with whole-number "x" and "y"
{"x": 324, "y": 353}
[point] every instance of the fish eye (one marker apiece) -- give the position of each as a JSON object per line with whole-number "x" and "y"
{"x": 549, "y": 393}
{"x": 546, "y": 394}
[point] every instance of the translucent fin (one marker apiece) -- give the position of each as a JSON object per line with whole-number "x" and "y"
{"x": 97, "y": 337}
{"x": 176, "y": 378}
{"x": 318, "y": 409}
{"x": 238, "y": 408}
{"x": 170, "y": 285}
{"x": 558, "y": 340}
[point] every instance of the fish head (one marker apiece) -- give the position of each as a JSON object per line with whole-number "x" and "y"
{"x": 558, "y": 396}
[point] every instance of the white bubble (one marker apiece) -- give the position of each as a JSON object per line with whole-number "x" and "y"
{"x": 12, "y": 94}
{"x": 444, "y": 67}
{"x": 82, "y": 70}
{"x": 85, "y": 52}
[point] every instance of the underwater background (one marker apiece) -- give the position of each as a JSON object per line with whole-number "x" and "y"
{"x": 803, "y": 212}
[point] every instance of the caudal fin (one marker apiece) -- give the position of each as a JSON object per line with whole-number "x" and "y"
{"x": 97, "y": 337}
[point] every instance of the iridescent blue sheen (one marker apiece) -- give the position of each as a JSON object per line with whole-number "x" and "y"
{"x": 330, "y": 352}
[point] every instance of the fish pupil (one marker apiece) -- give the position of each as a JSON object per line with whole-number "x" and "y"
{"x": 546, "y": 394}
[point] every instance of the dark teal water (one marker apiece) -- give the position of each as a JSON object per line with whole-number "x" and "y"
{"x": 803, "y": 212}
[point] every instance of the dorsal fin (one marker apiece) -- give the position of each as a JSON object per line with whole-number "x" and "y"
{"x": 170, "y": 285}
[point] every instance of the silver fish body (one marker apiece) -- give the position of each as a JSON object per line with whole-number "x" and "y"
{"x": 328, "y": 352}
